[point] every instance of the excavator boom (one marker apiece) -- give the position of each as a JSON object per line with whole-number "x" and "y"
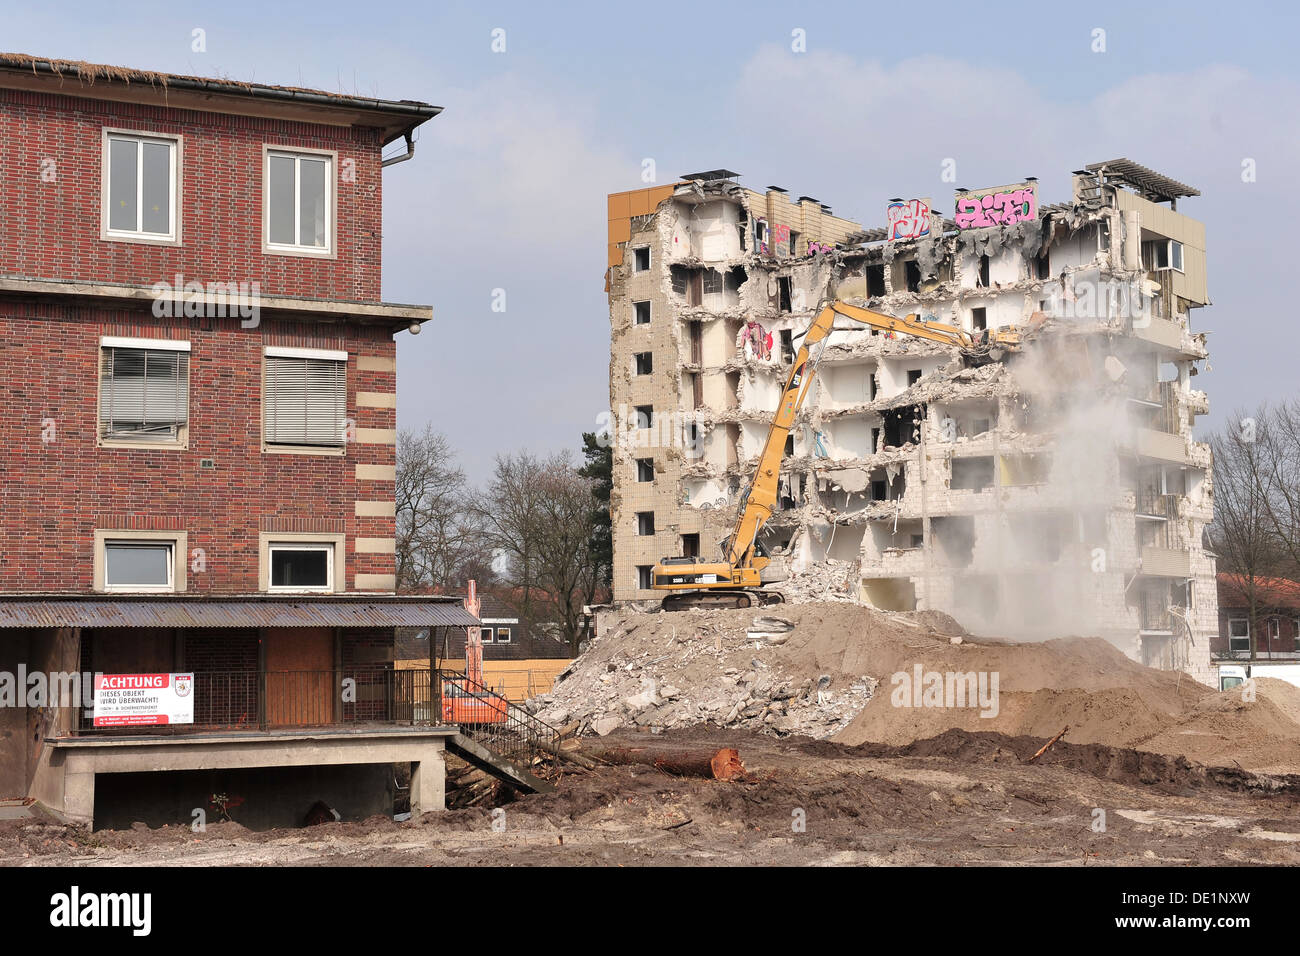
{"x": 743, "y": 560}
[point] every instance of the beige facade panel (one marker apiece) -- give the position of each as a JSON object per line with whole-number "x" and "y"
{"x": 376, "y": 472}
{"x": 376, "y": 363}
{"x": 376, "y": 546}
{"x": 376, "y": 436}
{"x": 1161, "y": 446}
{"x": 376, "y": 509}
{"x": 376, "y": 400}
{"x": 375, "y": 582}
{"x": 1166, "y": 562}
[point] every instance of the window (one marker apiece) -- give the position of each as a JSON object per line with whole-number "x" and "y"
{"x": 1239, "y": 635}
{"x": 140, "y": 187}
{"x": 485, "y": 634}
{"x": 305, "y": 404}
{"x": 691, "y": 545}
{"x": 1164, "y": 254}
{"x": 645, "y": 469}
{"x": 299, "y": 200}
{"x": 644, "y": 415}
{"x": 641, "y": 259}
{"x": 140, "y": 561}
{"x": 144, "y": 390}
{"x": 787, "y": 344}
{"x": 642, "y": 312}
{"x": 643, "y": 576}
{"x": 138, "y": 565}
{"x": 784, "y": 297}
{"x": 912, "y": 275}
{"x": 918, "y": 540}
{"x": 875, "y": 280}
{"x": 644, "y": 363}
{"x": 503, "y": 635}
{"x": 1274, "y": 631}
{"x": 913, "y": 376}
{"x": 984, "y": 272}
{"x": 645, "y": 523}
{"x": 979, "y": 319}
{"x": 1042, "y": 266}
{"x": 299, "y": 566}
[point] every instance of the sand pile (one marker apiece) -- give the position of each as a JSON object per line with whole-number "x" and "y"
{"x": 832, "y": 675}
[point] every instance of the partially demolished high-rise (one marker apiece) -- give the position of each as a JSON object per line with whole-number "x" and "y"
{"x": 1057, "y": 491}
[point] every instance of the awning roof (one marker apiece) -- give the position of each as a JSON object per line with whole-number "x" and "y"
{"x": 38, "y": 612}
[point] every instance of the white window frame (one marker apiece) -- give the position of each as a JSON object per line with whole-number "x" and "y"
{"x": 485, "y": 634}
{"x": 506, "y": 639}
{"x": 328, "y": 547}
{"x": 325, "y": 355}
{"x": 330, "y": 249}
{"x": 1231, "y": 637}
{"x": 161, "y": 345}
{"x": 176, "y": 142}
{"x": 177, "y": 541}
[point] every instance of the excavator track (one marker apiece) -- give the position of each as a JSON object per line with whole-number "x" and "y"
{"x": 685, "y": 600}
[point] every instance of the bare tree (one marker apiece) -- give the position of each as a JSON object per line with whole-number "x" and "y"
{"x": 1242, "y": 530}
{"x": 439, "y": 540}
{"x": 538, "y": 515}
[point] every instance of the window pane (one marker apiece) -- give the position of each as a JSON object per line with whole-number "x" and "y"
{"x": 292, "y": 568}
{"x": 144, "y": 393}
{"x": 122, "y": 184}
{"x": 137, "y": 565}
{"x": 311, "y": 228}
{"x": 157, "y": 188}
{"x": 281, "y": 202}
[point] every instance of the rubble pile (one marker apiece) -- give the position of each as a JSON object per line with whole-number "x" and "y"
{"x": 827, "y": 580}
{"x": 773, "y": 671}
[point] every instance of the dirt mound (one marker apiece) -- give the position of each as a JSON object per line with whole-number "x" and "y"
{"x": 859, "y": 675}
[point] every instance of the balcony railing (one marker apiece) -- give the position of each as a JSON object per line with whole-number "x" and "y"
{"x": 250, "y": 700}
{"x": 274, "y": 700}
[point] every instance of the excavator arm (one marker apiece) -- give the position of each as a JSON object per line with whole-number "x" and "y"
{"x": 742, "y": 562}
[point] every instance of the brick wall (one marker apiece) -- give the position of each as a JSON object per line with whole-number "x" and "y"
{"x": 54, "y": 494}
{"x": 52, "y": 225}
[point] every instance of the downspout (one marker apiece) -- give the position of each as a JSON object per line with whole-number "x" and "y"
{"x": 409, "y": 154}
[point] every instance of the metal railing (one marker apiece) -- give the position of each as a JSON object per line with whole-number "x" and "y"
{"x": 494, "y": 722}
{"x": 249, "y": 700}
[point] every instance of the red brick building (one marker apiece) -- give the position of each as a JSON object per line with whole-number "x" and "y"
{"x": 197, "y": 468}
{"x": 1271, "y": 629}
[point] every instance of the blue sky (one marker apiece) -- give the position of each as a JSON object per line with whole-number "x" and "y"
{"x": 508, "y": 186}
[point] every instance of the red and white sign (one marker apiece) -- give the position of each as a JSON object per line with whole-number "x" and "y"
{"x": 129, "y": 700}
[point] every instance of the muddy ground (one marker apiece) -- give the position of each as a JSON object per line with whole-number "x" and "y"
{"x": 959, "y": 798}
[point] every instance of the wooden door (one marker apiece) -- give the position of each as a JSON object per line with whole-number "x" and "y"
{"x": 299, "y": 676}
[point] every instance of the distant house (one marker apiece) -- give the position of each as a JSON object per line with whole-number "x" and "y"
{"x": 518, "y": 659}
{"x": 1277, "y": 619}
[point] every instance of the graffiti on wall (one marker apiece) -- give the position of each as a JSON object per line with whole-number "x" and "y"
{"x": 816, "y": 247}
{"x": 1003, "y": 206}
{"x": 781, "y": 240}
{"x": 909, "y": 219}
{"x": 757, "y": 341}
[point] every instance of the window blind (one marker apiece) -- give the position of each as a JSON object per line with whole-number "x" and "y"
{"x": 144, "y": 393}
{"x": 305, "y": 402}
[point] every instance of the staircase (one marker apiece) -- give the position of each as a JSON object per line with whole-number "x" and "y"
{"x": 506, "y": 742}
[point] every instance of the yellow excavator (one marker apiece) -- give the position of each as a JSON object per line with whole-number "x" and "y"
{"x": 736, "y": 581}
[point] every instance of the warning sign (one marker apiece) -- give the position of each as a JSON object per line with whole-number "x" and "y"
{"x": 129, "y": 700}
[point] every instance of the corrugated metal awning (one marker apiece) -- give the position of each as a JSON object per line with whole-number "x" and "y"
{"x": 35, "y": 612}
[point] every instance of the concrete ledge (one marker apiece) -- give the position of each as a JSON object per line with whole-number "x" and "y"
{"x": 85, "y": 757}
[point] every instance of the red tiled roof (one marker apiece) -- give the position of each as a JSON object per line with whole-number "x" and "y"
{"x": 1269, "y": 592}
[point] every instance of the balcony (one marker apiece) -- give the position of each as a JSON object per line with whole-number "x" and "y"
{"x": 1164, "y": 562}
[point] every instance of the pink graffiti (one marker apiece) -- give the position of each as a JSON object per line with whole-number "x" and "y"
{"x": 780, "y": 236}
{"x": 816, "y": 247}
{"x": 997, "y": 209}
{"x": 909, "y": 220}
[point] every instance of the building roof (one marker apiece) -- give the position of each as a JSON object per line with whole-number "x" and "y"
{"x": 1279, "y": 593}
{"x": 395, "y": 118}
{"x": 251, "y": 611}
{"x": 1147, "y": 181}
